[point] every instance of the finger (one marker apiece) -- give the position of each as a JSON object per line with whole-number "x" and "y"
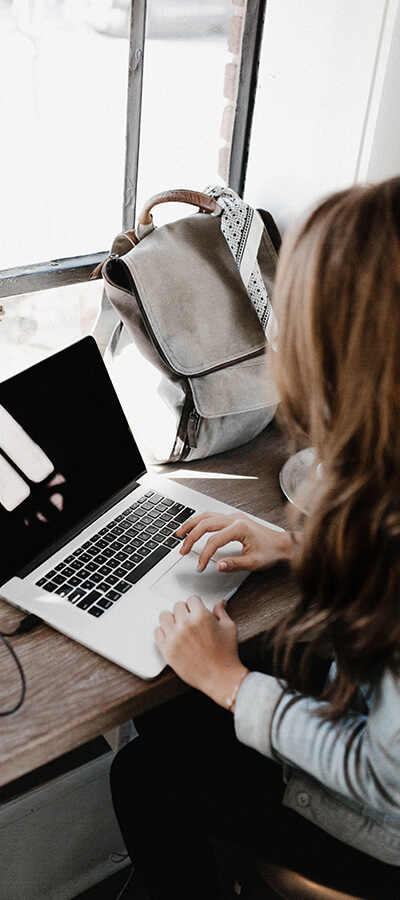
{"x": 234, "y": 564}
{"x": 195, "y": 604}
{"x": 191, "y": 523}
{"x": 204, "y": 524}
{"x": 214, "y": 543}
{"x": 181, "y": 611}
{"x": 219, "y": 609}
{"x": 166, "y": 620}
{"x": 220, "y": 612}
{"x": 159, "y": 636}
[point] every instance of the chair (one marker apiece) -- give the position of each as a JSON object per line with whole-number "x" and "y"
{"x": 281, "y": 883}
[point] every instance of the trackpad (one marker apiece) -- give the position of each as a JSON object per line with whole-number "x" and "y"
{"x": 182, "y": 580}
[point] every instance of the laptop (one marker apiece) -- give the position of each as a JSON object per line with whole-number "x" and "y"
{"x": 88, "y": 536}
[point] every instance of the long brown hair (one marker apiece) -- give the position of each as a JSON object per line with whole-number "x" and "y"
{"x": 337, "y": 301}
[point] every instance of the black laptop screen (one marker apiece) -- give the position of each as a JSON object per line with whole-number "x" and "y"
{"x": 65, "y": 450}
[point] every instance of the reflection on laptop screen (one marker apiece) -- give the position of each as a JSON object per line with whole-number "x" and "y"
{"x": 65, "y": 449}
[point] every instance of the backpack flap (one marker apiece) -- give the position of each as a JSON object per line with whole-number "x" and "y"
{"x": 192, "y": 297}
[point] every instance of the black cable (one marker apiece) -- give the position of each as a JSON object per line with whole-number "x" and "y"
{"x": 25, "y": 626}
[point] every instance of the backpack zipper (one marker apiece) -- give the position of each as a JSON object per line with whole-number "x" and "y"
{"x": 193, "y": 423}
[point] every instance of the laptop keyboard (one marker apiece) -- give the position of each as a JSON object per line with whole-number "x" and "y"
{"x": 98, "y": 573}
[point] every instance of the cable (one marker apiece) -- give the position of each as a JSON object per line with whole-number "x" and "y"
{"x": 122, "y": 891}
{"x": 25, "y": 626}
{"x": 8, "y": 712}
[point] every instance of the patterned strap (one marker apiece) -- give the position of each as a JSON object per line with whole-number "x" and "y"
{"x": 242, "y": 227}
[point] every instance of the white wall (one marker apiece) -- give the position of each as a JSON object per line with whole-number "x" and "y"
{"x": 382, "y": 158}
{"x": 327, "y": 112}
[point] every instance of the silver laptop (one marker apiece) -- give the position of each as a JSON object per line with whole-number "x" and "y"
{"x": 88, "y": 536}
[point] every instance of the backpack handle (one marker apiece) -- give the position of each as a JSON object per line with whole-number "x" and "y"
{"x": 124, "y": 241}
{"x": 194, "y": 198}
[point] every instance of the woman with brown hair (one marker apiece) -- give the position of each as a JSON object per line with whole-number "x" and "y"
{"x": 196, "y": 768}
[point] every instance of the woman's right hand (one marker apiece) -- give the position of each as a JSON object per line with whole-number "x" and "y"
{"x": 262, "y": 547}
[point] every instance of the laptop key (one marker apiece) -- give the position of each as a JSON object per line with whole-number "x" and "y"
{"x": 64, "y": 590}
{"x": 84, "y": 557}
{"x": 153, "y": 544}
{"x": 67, "y": 571}
{"x": 175, "y": 509}
{"x": 110, "y": 581}
{"x": 156, "y": 497}
{"x": 105, "y": 603}
{"x": 47, "y": 585}
{"x": 122, "y": 587}
{"x": 183, "y": 516}
{"x": 147, "y": 564}
{"x": 122, "y": 555}
{"x": 77, "y": 594}
{"x": 88, "y": 601}
{"x": 166, "y": 531}
{"x": 87, "y": 585}
{"x": 113, "y": 595}
{"x": 171, "y": 542}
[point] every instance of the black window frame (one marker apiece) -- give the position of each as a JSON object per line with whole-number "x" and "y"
{"x": 73, "y": 270}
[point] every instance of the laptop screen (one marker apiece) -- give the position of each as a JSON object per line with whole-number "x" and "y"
{"x": 65, "y": 450}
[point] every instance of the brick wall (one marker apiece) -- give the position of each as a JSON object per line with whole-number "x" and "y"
{"x": 231, "y": 81}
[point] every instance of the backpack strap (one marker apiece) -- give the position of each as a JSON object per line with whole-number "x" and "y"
{"x": 243, "y": 228}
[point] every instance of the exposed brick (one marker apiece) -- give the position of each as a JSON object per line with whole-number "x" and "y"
{"x": 235, "y": 28}
{"x": 226, "y": 129}
{"x": 230, "y": 81}
{"x": 223, "y": 163}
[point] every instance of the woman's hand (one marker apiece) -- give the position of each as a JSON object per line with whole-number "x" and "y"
{"x": 263, "y": 547}
{"x": 201, "y": 647}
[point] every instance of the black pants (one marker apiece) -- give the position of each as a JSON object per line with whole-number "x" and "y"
{"x": 187, "y": 777}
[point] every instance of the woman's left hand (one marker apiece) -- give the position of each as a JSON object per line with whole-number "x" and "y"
{"x": 202, "y": 647}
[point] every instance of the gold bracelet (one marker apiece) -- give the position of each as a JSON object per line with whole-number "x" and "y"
{"x": 230, "y": 701}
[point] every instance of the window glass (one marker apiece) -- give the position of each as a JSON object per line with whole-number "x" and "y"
{"x": 34, "y": 325}
{"x": 63, "y": 98}
{"x": 63, "y": 87}
{"x": 186, "y": 54}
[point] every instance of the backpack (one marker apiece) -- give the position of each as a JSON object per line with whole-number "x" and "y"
{"x": 193, "y": 297}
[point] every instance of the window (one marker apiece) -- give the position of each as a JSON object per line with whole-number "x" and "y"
{"x": 103, "y": 103}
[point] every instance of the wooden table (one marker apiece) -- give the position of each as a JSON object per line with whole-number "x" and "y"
{"x": 73, "y": 695}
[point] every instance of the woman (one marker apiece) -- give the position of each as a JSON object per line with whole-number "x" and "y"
{"x": 196, "y": 768}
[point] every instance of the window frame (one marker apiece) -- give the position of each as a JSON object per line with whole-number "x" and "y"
{"x": 73, "y": 270}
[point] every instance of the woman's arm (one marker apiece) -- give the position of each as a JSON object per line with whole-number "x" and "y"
{"x": 263, "y": 547}
{"x": 358, "y": 757}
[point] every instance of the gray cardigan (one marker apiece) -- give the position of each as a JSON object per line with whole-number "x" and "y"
{"x": 346, "y": 777}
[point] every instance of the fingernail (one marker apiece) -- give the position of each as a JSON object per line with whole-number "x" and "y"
{"x": 199, "y": 567}
{"x": 222, "y": 566}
